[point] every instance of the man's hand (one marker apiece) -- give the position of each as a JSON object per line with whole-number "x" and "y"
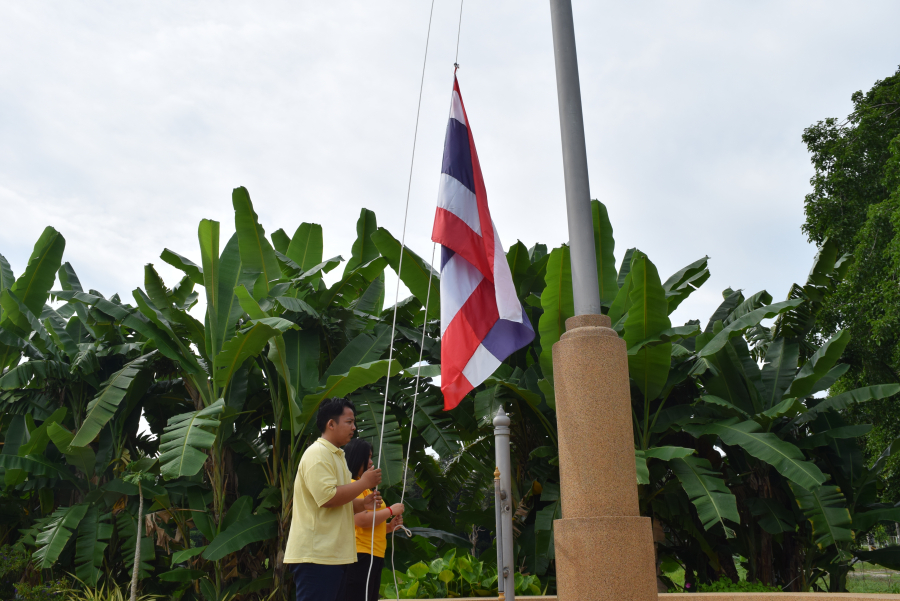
{"x": 371, "y": 478}
{"x": 372, "y": 501}
{"x": 397, "y": 509}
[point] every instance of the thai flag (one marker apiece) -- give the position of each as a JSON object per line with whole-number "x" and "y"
{"x": 482, "y": 321}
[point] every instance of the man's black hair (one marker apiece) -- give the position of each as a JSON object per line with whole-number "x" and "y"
{"x": 357, "y": 453}
{"x": 332, "y": 409}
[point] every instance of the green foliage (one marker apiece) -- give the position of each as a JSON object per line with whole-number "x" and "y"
{"x": 724, "y": 585}
{"x": 12, "y": 563}
{"x": 105, "y": 592}
{"x": 184, "y": 437}
{"x": 54, "y": 590}
{"x": 855, "y": 204}
{"x": 452, "y": 576}
{"x": 742, "y": 439}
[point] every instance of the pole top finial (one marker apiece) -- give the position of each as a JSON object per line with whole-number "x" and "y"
{"x": 501, "y": 419}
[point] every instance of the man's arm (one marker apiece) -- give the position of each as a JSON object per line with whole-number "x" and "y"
{"x": 348, "y": 492}
{"x": 345, "y": 494}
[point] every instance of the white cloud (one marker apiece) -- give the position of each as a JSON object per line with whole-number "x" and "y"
{"x": 124, "y": 124}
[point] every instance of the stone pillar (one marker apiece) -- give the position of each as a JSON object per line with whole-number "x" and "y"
{"x": 604, "y": 549}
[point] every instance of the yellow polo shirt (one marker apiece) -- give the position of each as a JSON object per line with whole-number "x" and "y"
{"x": 364, "y": 533}
{"x": 319, "y": 534}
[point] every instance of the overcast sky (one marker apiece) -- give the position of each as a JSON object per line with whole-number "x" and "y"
{"x": 122, "y": 124}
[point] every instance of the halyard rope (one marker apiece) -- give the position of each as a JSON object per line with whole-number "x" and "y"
{"x": 397, "y": 298}
{"x": 419, "y": 363}
{"x": 411, "y": 418}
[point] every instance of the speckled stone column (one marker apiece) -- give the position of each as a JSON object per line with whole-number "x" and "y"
{"x": 604, "y": 549}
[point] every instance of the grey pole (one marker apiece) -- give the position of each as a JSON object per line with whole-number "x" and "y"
{"x": 578, "y": 192}
{"x": 498, "y": 503}
{"x": 505, "y": 569}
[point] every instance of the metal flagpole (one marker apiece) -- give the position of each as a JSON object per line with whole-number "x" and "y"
{"x": 578, "y": 194}
{"x": 601, "y": 528}
{"x": 506, "y": 573}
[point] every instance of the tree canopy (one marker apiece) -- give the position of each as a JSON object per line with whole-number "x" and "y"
{"x": 855, "y": 203}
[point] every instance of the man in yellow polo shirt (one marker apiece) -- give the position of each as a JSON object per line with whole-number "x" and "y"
{"x": 322, "y": 540}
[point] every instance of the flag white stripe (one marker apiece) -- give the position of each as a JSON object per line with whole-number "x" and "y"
{"x": 459, "y": 200}
{"x": 456, "y": 110}
{"x": 480, "y": 366}
{"x": 508, "y": 305}
{"x": 459, "y": 278}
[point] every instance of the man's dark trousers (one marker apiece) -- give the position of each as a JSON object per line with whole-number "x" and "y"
{"x": 317, "y": 582}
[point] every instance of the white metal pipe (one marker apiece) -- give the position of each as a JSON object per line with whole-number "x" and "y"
{"x": 506, "y": 569}
{"x": 498, "y": 540}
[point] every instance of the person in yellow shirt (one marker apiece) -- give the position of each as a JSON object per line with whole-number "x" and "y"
{"x": 358, "y": 454}
{"x": 321, "y": 541}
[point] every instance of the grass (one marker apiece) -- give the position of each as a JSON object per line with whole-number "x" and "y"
{"x": 867, "y": 578}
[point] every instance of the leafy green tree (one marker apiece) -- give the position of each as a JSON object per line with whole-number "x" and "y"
{"x": 855, "y": 203}
{"x": 229, "y": 398}
{"x": 788, "y": 489}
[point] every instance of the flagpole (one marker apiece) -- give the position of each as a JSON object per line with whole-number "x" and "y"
{"x": 578, "y": 194}
{"x": 601, "y": 528}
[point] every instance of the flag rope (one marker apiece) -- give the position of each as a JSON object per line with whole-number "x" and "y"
{"x": 397, "y": 299}
{"x": 411, "y": 418}
{"x": 412, "y": 415}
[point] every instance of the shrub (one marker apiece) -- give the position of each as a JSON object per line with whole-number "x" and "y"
{"x": 453, "y": 576}
{"x": 106, "y": 592}
{"x": 725, "y": 585}
{"x": 49, "y": 591}
{"x": 12, "y": 563}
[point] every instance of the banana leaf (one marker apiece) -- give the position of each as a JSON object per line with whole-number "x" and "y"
{"x": 246, "y": 344}
{"x": 306, "y": 246}
{"x": 778, "y": 371}
{"x": 819, "y": 364}
{"x": 90, "y": 548}
{"x": 844, "y": 400}
{"x": 369, "y": 412}
{"x": 32, "y": 288}
{"x": 648, "y": 317}
{"x": 257, "y": 254}
{"x": 604, "y": 246}
{"x": 250, "y": 529}
{"x": 707, "y": 491}
{"x": 364, "y": 249}
{"x": 558, "y": 304}
{"x": 81, "y": 457}
{"x": 826, "y": 509}
{"x": 182, "y": 439}
{"x": 752, "y": 318}
{"x": 765, "y": 446}
{"x": 416, "y": 273}
{"x": 56, "y": 533}
{"x": 103, "y": 406}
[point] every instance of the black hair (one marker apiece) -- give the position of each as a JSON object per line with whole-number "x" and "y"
{"x": 332, "y": 409}
{"x": 357, "y": 453}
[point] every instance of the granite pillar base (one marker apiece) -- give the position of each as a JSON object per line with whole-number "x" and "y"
{"x": 604, "y": 549}
{"x": 605, "y": 559}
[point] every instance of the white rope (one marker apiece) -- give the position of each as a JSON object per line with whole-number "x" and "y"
{"x": 418, "y": 368}
{"x": 397, "y": 294}
{"x": 411, "y": 418}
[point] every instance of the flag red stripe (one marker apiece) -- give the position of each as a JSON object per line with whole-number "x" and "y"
{"x": 452, "y": 232}
{"x": 484, "y": 213}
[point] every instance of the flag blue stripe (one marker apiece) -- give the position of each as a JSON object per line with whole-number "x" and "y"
{"x": 446, "y": 255}
{"x": 506, "y": 337}
{"x": 457, "y": 154}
